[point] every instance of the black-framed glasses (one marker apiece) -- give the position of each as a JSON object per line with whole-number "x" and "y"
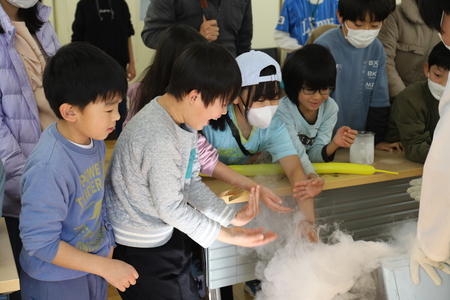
{"x": 309, "y": 91}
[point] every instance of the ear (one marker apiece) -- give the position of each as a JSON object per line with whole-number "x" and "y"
{"x": 426, "y": 69}
{"x": 236, "y": 101}
{"x": 194, "y": 96}
{"x": 68, "y": 112}
{"x": 339, "y": 16}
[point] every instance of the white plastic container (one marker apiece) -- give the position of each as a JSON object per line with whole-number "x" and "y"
{"x": 363, "y": 149}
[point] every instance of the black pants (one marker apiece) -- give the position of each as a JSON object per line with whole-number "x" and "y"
{"x": 164, "y": 272}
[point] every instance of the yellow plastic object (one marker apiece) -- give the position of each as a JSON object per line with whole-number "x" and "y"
{"x": 321, "y": 168}
{"x": 347, "y": 168}
{"x": 258, "y": 170}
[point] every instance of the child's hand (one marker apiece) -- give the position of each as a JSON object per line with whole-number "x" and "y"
{"x": 209, "y": 29}
{"x": 345, "y": 136}
{"x": 119, "y": 274}
{"x": 272, "y": 201}
{"x": 390, "y": 147}
{"x": 250, "y": 210}
{"x": 309, "y": 231}
{"x": 307, "y": 189}
{"x": 246, "y": 237}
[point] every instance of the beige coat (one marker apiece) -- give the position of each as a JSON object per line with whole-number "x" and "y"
{"x": 407, "y": 42}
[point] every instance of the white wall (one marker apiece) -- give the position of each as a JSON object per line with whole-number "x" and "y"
{"x": 265, "y": 16}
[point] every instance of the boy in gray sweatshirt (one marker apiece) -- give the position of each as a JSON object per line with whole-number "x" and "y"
{"x": 156, "y": 202}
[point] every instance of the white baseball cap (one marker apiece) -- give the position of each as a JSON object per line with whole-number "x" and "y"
{"x": 252, "y": 63}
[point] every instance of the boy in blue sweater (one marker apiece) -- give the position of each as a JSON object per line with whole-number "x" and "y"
{"x": 67, "y": 239}
{"x": 361, "y": 84}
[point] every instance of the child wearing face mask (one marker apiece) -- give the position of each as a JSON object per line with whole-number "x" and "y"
{"x": 361, "y": 84}
{"x": 248, "y": 129}
{"x": 308, "y": 111}
{"x": 415, "y": 111}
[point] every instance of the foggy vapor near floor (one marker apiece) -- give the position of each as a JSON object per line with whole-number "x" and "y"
{"x": 292, "y": 268}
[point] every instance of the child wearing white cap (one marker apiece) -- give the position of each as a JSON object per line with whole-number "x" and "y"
{"x": 248, "y": 129}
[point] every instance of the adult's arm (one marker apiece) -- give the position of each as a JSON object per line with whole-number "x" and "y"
{"x": 13, "y": 160}
{"x": 160, "y": 15}
{"x": 285, "y": 41}
{"x": 245, "y": 34}
{"x": 79, "y": 24}
{"x": 389, "y": 38}
{"x": 433, "y": 228}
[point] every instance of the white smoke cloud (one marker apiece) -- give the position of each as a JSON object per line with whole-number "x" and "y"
{"x": 292, "y": 268}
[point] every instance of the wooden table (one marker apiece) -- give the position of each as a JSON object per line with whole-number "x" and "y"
{"x": 389, "y": 161}
{"x": 9, "y": 279}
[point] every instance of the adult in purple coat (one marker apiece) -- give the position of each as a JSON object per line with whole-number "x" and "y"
{"x": 27, "y": 40}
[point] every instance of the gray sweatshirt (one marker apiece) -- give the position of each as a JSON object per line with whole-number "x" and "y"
{"x": 152, "y": 184}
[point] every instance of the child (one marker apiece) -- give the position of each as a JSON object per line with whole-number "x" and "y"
{"x": 66, "y": 235}
{"x": 308, "y": 111}
{"x": 407, "y": 41}
{"x": 361, "y": 84}
{"x": 156, "y": 201}
{"x": 415, "y": 111}
{"x": 248, "y": 128}
{"x": 299, "y": 18}
{"x": 154, "y": 83}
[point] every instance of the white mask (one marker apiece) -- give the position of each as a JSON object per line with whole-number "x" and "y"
{"x": 440, "y": 35}
{"x": 22, "y": 3}
{"x": 261, "y": 116}
{"x": 361, "y": 38}
{"x": 436, "y": 89}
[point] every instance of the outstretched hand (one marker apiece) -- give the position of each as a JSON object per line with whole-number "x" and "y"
{"x": 309, "y": 231}
{"x": 307, "y": 189}
{"x": 345, "y": 137}
{"x": 250, "y": 210}
{"x": 272, "y": 201}
{"x": 247, "y": 237}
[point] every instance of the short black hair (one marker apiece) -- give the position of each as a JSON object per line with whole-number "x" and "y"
{"x": 312, "y": 66}
{"x": 439, "y": 56}
{"x": 356, "y": 10}
{"x": 431, "y": 12}
{"x": 208, "y": 68}
{"x": 79, "y": 73}
{"x": 171, "y": 44}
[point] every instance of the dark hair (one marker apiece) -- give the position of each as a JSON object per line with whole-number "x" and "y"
{"x": 79, "y": 73}
{"x": 356, "y": 10}
{"x": 256, "y": 93}
{"x": 156, "y": 77}
{"x": 312, "y": 66}
{"x": 431, "y": 12}
{"x": 439, "y": 56}
{"x": 31, "y": 18}
{"x": 208, "y": 68}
